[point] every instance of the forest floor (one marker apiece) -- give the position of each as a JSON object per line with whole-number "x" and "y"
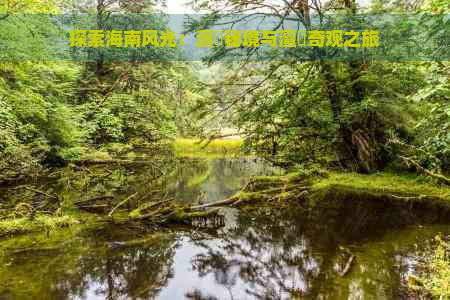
{"x": 409, "y": 187}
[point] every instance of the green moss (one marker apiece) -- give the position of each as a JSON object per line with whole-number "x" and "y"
{"x": 273, "y": 191}
{"x": 273, "y": 198}
{"x": 197, "y": 147}
{"x": 16, "y": 226}
{"x": 383, "y": 183}
{"x": 285, "y": 179}
{"x": 269, "y": 179}
{"x": 313, "y": 171}
{"x": 318, "y": 186}
{"x": 138, "y": 211}
{"x": 438, "y": 283}
{"x": 262, "y": 183}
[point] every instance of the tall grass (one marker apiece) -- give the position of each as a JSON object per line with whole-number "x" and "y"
{"x": 197, "y": 147}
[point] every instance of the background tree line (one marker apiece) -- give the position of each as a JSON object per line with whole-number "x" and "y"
{"x": 363, "y": 116}
{"x": 54, "y": 111}
{"x": 359, "y": 115}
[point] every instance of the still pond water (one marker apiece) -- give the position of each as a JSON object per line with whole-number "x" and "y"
{"x": 298, "y": 253}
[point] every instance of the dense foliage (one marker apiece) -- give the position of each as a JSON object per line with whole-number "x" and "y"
{"x": 83, "y": 144}
{"x": 363, "y": 116}
{"x": 54, "y": 111}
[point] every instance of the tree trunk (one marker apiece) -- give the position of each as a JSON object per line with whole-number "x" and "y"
{"x": 330, "y": 84}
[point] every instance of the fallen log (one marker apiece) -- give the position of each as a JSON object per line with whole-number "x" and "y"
{"x": 167, "y": 210}
{"x": 174, "y": 214}
{"x": 96, "y": 208}
{"x": 439, "y": 177}
{"x": 5, "y": 182}
{"x": 267, "y": 195}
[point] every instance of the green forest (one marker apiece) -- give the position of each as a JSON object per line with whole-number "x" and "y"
{"x": 223, "y": 178}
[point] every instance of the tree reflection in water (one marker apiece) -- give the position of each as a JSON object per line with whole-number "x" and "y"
{"x": 93, "y": 267}
{"x": 266, "y": 255}
{"x": 184, "y": 179}
{"x": 298, "y": 254}
{"x": 270, "y": 261}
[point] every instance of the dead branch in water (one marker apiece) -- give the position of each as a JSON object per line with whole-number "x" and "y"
{"x": 229, "y": 201}
{"x": 168, "y": 210}
{"x": 420, "y": 197}
{"x": 121, "y": 203}
{"x": 347, "y": 267}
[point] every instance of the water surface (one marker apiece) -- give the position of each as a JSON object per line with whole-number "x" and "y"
{"x": 264, "y": 255}
{"x": 188, "y": 180}
{"x": 296, "y": 253}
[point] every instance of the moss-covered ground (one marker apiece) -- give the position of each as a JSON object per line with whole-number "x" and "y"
{"x": 405, "y": 185}
{"x": 44, "y": 223}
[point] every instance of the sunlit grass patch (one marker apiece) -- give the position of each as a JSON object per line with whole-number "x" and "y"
{"x": 197, "y": 147}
